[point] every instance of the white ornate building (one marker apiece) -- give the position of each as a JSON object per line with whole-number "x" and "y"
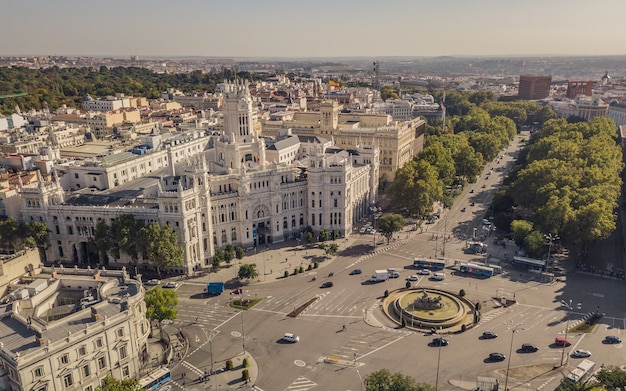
{"x": 234, "y": 188}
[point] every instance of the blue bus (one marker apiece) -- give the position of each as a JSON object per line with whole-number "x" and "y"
{"x": 156, "y": 379}
{"x": 476, "y": 269}
{"x": 529, "y": 263}
{"x": 422, "y": 263}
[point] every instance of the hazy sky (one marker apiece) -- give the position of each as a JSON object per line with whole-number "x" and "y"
{"x": 318, "y": 28}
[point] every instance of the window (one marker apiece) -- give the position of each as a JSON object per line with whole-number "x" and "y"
{"x": 82, "y": 351}
{"x": 67, "y": 380}
{"x": 89, "y": 388}
{"x": 86, "y": 371}
{"x": 102, "y": 363}
{"x": 65, "y": 359}
{"x": 120, "y": 332}
{"x": 38, "y": 372}
{"x": 123, "y": 353}
{"x": 126, "y": 371}
{"x": 99, "y": 342}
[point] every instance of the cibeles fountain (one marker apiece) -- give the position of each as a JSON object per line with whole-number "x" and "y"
{"x": 427, "y": 308}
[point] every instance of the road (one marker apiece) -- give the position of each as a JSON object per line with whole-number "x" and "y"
{"x": 220, "y": 331}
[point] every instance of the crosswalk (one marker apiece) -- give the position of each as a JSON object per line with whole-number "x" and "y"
{"x": 301, "y": 384}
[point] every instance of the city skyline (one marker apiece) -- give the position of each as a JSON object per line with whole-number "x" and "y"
{"x": 277, "y": 28}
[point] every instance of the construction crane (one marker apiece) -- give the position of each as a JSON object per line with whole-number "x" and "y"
{"x": 13, "y": 95}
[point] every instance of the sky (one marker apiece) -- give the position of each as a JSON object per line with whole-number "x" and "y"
{"x": 318, "y": 28}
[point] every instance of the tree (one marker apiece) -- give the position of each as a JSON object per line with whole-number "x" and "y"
{"x": 160, "y": 304}
{"x": 416, "y": 187}
{"x": 247, "y": 271}
{"x": 390, "y": 223}
{"x": 611, "y": 377}
{"x": 521, "y": 229}
{"x": 161, "y": 246}
{"x": 229, "y": 253}
{"x": 109, "y": 383}
{"x": 100, "y": 242}
{"x": 218, "y": 257}
{"x": 329, "y": 249}
{"x": 534, "y": 244}
{"x": 323, "y": 235}
{"x": 383, "y": 380}
{"x": 240, "y": 252}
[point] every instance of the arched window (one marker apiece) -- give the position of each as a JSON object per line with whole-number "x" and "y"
{"x": 233, "y": 235}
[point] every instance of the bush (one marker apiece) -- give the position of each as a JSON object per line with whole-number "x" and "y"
{"x": 462, "y": 293}
{"x": 386, "y": 292}
{"x": 315, "y": 265}
{"x": 245, "y": 375}
{"x": 246, "y": 362}
{"x": 301, "y": 270}
{"x": 463, "y": 328}
{"x": 286, "y": 274}
{"x": 295, "y": 271}
{"x": 309, "y": 267}
{"x": 408, "y": 284}
{"x": 229, "y": 365}
{"x": 403, "y": 322}
{"x": 477, "y": 306}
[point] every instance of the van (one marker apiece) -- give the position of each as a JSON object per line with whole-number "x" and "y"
{"x": 438, "y": 276}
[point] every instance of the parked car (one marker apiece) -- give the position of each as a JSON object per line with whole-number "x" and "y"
{"x": 486, "y": 222}
{"x": 497, "y": 356}
{"x": 152, "y": 282}
{"x": 356, "y": 271}
{"x": 489, "y": 335}
{"x": 425, "y": 272}
{"x": 581, "y": 353}
{"x": 412, "y": 277}
{"x": 171, "y": 284}
{"x": 327, "y": 284}
{"x": 237, "y": 291}
{"x": 560, "y": 341}
{"x": 440, "y": 341}
{"x": 612, "y": 339}
{"x": 289, "y": 337}
{"x": 529, "y": 348}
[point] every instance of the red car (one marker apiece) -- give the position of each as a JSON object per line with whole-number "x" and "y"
{"x": 560, "y": 341}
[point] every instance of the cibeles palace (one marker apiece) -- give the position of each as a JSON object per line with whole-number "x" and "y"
{"x": 214, "y": 188}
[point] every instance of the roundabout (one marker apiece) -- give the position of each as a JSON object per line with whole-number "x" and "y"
{"x": 420, "y": 308}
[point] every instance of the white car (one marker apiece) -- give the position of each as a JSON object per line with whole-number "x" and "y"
{"x": 424, "y": 272}
{"x": 171, "y": 284}
{"x": 394, "y": 274}
{"x": 412, "y": 277}
{"x": 289, "y": 337}
{"x": 152, "y": 282}
{"x": 581, "y": 353}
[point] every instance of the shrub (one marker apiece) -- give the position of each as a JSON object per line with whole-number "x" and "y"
{"x": 295, "y": 271}
{"x": 245, "y": 375}
{"x": 315, "y": 265}
{"x": 246, "y": 362}
{"x": 301, "y": 270}
{"x": 408, "y": 284}
{"x": 229, "y": 365}
{"x": 463, "y": 328}
{"x": 386, "y": 292}
{"x": 286, "y": 274}
{"x": 403, "y": 322}
{"x": 309, "y": 267}
{"x": 462, "y": 293}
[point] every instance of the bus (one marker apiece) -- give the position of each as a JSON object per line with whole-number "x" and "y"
{"x": 529, "y": 263}
{"x": 156, "y": 379}
{"x": 421, "y": 263}
{"x": 582, "y": 371}
{"x": 496, "y": 269}
{"x": 476, "y": 269}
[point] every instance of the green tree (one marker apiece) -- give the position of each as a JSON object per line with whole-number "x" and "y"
{"x": 390, "y": 223}
{"x": 8, "y": 233}
{"x": 611, "y": 377}
{"x": 329, "y": 249}
{"x": 534, "y": 244}
{"x": 229, "y": 253}
{"x": 126, "y": 236}
{"x": 100, "y": 242}
{"x": 161, "y": 246}
{"x": 521, "y": 229}
{"x": 416, "y": 187}
{"x": 323, "y": 235}
{"x": 247, "y": 271}
{"x": 160, "y": 304}
{"x": 109, "y": 383}
{"x": 441, "y": 158}
{"x": 218, "y": 257}
{"x": 384, "y": 380}
{"x": 240, "y": 252}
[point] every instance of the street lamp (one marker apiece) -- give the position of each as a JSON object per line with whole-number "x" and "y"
{"x": 569, "y": 306}
{"x": 550, "y": 237}
{"x": 514, "y": 330}
{"x": 360, "y": 379}
{"x": 434, "y": 331}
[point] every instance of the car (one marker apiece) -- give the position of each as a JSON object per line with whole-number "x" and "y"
{"x": 612, "y": 339}
{"x": 489, "y": 335}
{"x": 486, "y": 222}
{"x": 529, "y": 348}
{"x": 356, "y": 271}
{"x": 560, "y": 341}
{"x": 237, "y": 291}
{"x": 412, "y": 277}
{"x": 362, "y": 230}
{"x": 153, "y": 282}
{"x": 290, "y": 337}
{"x": 327, "y": 284}
{"x": 581, "y": 353}
{"x": 424, "y": 272}
{"x": 472, "y": 203}
{"x": 497, "y": 356}
{"x": 171, "y": 284}
{"x": 394, "y": 274}
{"x": 463, "y": 209}
{"x": 440, "y": 341}
{"x": 438, "y": 276}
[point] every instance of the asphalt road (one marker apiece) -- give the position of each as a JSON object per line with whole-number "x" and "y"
{"x": 538, "y": 317}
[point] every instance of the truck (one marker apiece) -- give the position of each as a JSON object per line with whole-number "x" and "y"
{"x": 214, "y": 288}
{"x": 379, "y": 275}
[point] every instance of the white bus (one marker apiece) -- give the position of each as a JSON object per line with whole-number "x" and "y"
{"x": 582, "y": 371}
